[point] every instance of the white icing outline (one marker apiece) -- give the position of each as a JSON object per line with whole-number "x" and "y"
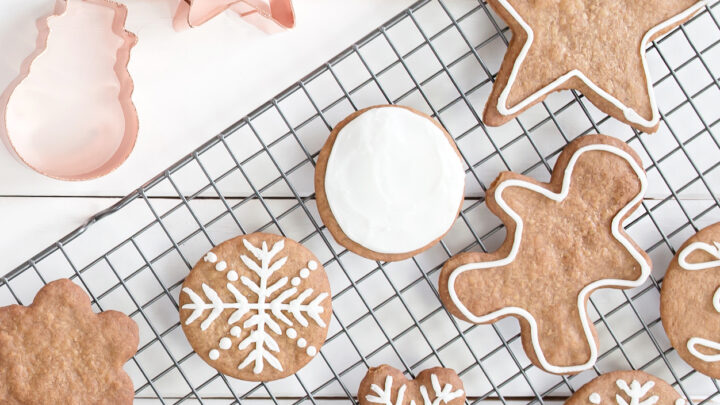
{"x": 558, "y": 197}
{"x": 636, "y": 392}
{"x": 630, "y": 114}
{"x": 713, "y": 250}
{"x": 595, "y": 398}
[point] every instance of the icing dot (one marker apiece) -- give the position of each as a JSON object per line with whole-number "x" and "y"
{"x": 311, "y": 351}
{"x": 680, "y": 401}
{"x": 304, "y": 273}
{"x": 225, "y": 343}
{"x": 221, "y": 266}
{"x": 210, "y": 257}
{"x": 214, "y": 354}
{"x": 295, "y": 281}
{"x": 301, "y": 342}
{"x": 312, "y": 265}
{"x": 291, "y": 333}
{"x": 595, "y": 398}
{"x": 232, "y": 275}
{"x": 235, "y": 331}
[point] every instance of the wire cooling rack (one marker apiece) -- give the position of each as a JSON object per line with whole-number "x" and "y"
{"x": 439, "y": 56}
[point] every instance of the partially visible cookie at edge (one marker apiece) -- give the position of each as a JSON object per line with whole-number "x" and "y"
{"x": 690, "y": 301}
{"x": 626, "y": 387}
{"x": 57, "y": 350}
{"x": 387, "y": 385}
{"x": 389, "y": 182}
{"x": 257, "y": 307}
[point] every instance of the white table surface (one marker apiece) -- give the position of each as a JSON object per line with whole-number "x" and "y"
{"x": 189, "y": 85}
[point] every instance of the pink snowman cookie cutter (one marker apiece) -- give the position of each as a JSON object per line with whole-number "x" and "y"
{"x": 50, "y": 124}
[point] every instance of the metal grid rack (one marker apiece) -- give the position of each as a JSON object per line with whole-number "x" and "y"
{"x": 438, "y": 56}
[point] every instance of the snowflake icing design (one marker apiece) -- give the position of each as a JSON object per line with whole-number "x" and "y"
{"x": 443, "y": 394}
{"x": 267, "y": 313}
{"x": 636, "y": 392}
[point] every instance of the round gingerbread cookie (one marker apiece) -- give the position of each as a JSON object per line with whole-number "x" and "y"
{"x": 690, "y": 301}
{"x": 257, "y": 307}
{"x": 626, "y": 387}
{"x": 389, "y": 182}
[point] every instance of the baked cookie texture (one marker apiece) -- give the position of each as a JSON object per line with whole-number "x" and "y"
{"x": 58, "y": 351}
{"x": 564, "y": 240}
{"x": 626, "y": 387}
{"x": 257, "y": 307}
{"x": 690, "y": 301}
{"x": 594, "y": 46}
{"x": 388, "y": 386}
{"x": 401, "y": 187}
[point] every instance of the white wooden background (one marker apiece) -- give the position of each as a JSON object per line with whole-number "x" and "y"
{"x": 188, "y": 86}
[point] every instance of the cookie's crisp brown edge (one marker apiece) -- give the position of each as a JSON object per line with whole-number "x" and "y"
{"x": 492, "y": 117}
{"x": 555, "y": 185}
{"x": 324, "y": 207}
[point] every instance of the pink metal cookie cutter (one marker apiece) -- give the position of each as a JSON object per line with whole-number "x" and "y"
{"x": 268, "y": 15}
{"x": 49, "y": 123}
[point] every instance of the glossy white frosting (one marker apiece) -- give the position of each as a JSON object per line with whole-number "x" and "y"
{"x": 394, "y": 182}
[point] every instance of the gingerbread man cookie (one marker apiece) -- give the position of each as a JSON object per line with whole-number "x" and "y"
{"x": 386, "y": 385}
{"x": 632, "y": 387}
{"x": 565, "y": 239}
{"x": 58, "y": 351}
{"x": 690, "y": 301}
{"x": 596, "y": 47}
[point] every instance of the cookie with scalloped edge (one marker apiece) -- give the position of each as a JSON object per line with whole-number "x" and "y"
{"x": 386, "y": 385}
{"x": 257, "y": 307}
{"x": 58, "y": 351}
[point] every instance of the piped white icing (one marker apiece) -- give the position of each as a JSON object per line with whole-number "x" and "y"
{"x": 225, "y": 343}
{"x": 221, "y": 266}
{"x": 636, "y": 392}
{"x": 312, "y": 265}
{"x": 713, "y": 250}
{"x": 291, "y": 333}
{"x": 232, "y": 275}
{"x": 595, "y": 398}
{"x": 616, "y": 226}
{"x": 311, "y": 351}
{"x": 393, "y": 181}
{"x": 268, "y": 313}
{"x": 629, "y": 113}
{"x": 443, "y": 394}
{"x": 210, "y": 257}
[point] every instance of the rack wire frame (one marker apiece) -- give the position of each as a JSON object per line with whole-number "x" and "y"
{"x": 146, "y": 382}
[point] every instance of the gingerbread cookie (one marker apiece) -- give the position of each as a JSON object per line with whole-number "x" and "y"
{"x": 565, "y": 239}
{"x": 633, "y": 387}
{"x": 596, "y": 47}
{"x": 386, "y": 385}
{"x": 58, "y": 351}
{"x": 389, "y": 182}
{"x": 690, "y": 301}
{"x": 257, "y": 307}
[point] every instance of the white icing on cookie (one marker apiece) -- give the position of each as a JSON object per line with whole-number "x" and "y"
{"x": 394, "y": 181}
{"x": 444, "y": 394}
{"x": 619, "y": 236}
{"x": 291, "y": 333}
{"x": 214, "y": 354}
{"x": 232, "y": 275}
{"x": 221, "y": 266}
{"x": 311, "y": 351}
{"x": 236, "y": 331}
{"x": 629, "y": 113}
{"x": 595, "y": 398}
{"x": 271, "y": 304}
{"x": 210, "y": 257}
{"x": 312, "y": 265}
{"x": 295, "y": 281}
{"x": 225, "y": 343}
{"x": 304, "y": 273}
{"x": 302, "y": 342}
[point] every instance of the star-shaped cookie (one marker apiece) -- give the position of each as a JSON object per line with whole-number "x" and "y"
{"x": 565, "y": 239}
{"x": 594, "y": 46}
{"x": 197, "y": 12}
